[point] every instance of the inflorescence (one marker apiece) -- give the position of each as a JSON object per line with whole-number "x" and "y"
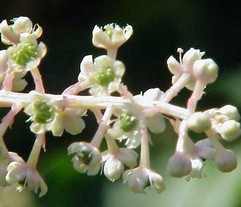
{"x": 124, "y": 120}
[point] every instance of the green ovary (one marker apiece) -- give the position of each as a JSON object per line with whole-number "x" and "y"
{"x": 43, "y": 112}
{"x": 24, "y": 53}
{"x": 127, "y": 122}
{"x": 105, "y": 76}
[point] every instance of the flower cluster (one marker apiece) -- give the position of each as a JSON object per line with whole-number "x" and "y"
{"x": 24, "y": 53}
{"x": 119, "y": 148}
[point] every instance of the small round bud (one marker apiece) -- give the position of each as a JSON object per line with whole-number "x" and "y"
{"x": 198, "y": 122}
{"x": 226, "y": 161}
{"x": 205, "y": 70}
{"x": 230, "y": 111}
{"x": 230, "y": 130}
{"x": 179, "y": 165}
{"x": 113, "y": 168}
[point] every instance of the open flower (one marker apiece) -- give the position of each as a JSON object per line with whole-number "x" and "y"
{"x": 185, "y": 65}
{"x": 87, "y": 158}
{"x": 27, "y": 54}
{"x": 103, "y": 75}
{"x": 111, "y": 36}
{"x": 154, "y": 122}
{"x": 10, "y": 34}
{"x": 140, "y": 178}
{"x": 46, "y": 115}
{"x": 18, "y": 173}
{"x": 126, "y": 127}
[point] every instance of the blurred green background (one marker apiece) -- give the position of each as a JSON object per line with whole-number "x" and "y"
{"x": 160, "y": 27}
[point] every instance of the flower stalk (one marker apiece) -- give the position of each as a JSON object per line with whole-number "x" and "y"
{"x": 120, "y": 115}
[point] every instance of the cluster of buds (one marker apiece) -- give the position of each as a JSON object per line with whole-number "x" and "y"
{"x": 125, "y": 120}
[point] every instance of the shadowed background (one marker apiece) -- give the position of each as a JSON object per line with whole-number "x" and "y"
{"x": 160, "y": 27}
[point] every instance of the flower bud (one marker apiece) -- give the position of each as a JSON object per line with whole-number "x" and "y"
{"x": 18, "y": 173}
{"x": 179, "y": 165}
{"x": 230, "y": 130}
{"x": 198, "y": 122}
{"x": 230, "y": 111}
{"x": 113, "y": 168}
{"x": 226, "y": 161}
{"x": 205, "y": 70}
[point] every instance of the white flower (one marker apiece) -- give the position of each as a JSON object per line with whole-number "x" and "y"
{"x": 87, "y": 157}
{"x": 69, "y": 120}
{"x": 154, "y": 122}
{"x": 126, "y": 127}
{"x": 111, "y": 36}
{"x": 185, "y": 65}
{"x": 10, "y": 34}
{"x": 22, "y": 173}
{"x": 114, "y": 163}
{"x": 47, "y": 116}
{"x": 140, "y": 178}
{"x": 27, "y": 54}
{"x": 103, "y": 75}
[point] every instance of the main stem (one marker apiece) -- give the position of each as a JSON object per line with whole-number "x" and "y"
{"x": 7, "y": 99}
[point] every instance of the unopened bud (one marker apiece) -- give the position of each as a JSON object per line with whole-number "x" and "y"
{"x": 179, "y": 165}
{"x": 230, "y": 130}
{"x": 226, "y": 161}
{"x": 230, "y": 111}
{"x": 198, "y": 122}
{"x": 205, "y": 70}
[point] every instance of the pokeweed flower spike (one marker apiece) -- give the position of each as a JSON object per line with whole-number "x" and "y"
{"x": 120, "y": 117}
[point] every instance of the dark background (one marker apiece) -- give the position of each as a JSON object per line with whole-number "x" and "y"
{"x": 160, "y": 27}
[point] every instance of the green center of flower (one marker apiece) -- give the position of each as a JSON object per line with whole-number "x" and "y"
{"x": 85, "y": 156}
{"x": 109, "y": 33}
{"x": 105, "y": 76}
{"x": 24, "y": 53}
{"x": 43, "y": 112}
{"x": 127, "y": 122}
